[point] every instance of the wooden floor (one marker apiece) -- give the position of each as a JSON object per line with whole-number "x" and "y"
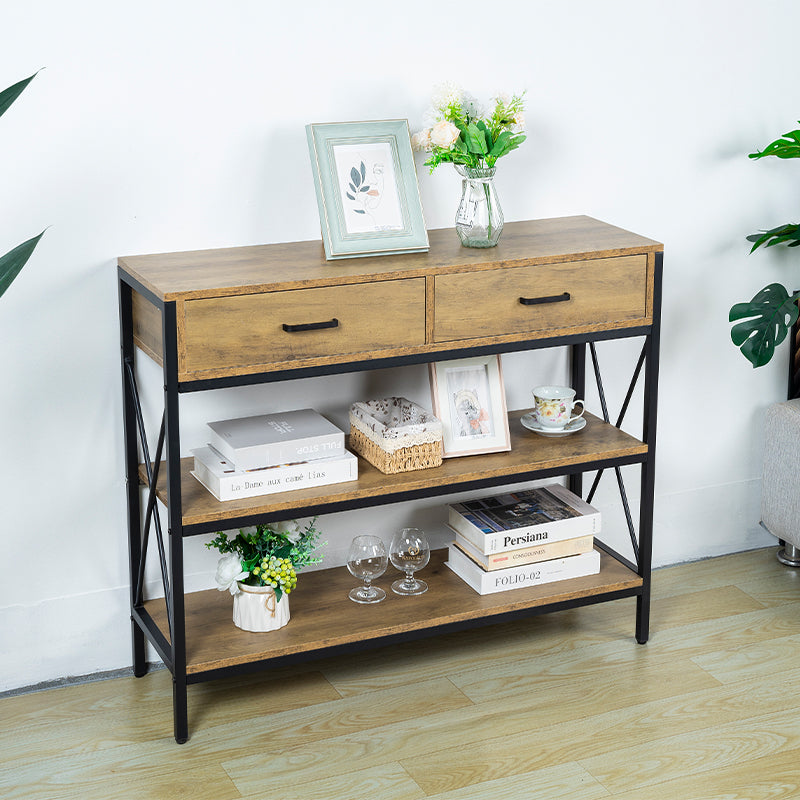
{"x": 561, "y": 706}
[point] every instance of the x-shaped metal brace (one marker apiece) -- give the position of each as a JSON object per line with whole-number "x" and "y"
{"x": 620, "y": 482}
{"x": 151, "y": 515}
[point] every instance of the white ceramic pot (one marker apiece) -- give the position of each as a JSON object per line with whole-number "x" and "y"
{"x": 256, "y": 609}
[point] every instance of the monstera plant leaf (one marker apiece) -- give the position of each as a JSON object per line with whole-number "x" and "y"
{"x": 13, "y": 261}
{"x": 784, "y": 234}
{"x": 767, "y": 319}
{"x": 788, "y": 146}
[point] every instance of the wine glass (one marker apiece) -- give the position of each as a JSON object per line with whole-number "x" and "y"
{"x": 367, "y": 560}
{"x": 409, "y": 552}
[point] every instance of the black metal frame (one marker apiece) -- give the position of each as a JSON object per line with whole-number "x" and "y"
{"x": 173, "y": 650}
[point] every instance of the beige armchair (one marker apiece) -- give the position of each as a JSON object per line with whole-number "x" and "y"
{"x": 780, "y": 489}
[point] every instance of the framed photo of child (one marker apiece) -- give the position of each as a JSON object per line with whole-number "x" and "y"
{"x": 469, "y": 399}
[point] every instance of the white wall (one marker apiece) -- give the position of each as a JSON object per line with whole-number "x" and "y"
{"x": 173, "y": 126}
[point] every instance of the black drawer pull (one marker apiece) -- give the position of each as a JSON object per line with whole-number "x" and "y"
{"x": 535, "y": 301}
{"x": 311, "y": 326}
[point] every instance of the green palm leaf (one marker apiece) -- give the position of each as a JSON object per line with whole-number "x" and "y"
{"x": 14, "y": 260}
{"x": 8, "y": 96}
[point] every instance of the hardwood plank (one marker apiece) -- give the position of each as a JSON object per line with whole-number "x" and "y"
{"x": 766, "y": 660}
{"x": 679, "y": 610}
{"x": 387, "y": 782}
{"x": 110, "y": 714}
{"x": 575, "y": 682}
{"x": 528, "y": 452}
{"x": 238, "y": 270}
{"x": 696, "y": 752}
{"x": 772, "y": 777}
{"x": 71, "y": 782}
{"x": 777, "y": 587}
{"x": 562, "y": 782}
{"x": 737, "y": 569}
{"x": 323, "y": 615}
{"x": 666, "y": 731}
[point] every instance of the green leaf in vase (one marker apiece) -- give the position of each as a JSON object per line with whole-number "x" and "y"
{"x": 476, "y": 140}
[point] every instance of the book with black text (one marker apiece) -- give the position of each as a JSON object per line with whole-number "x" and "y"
{"x": 542, "y": 572}
{"x": 227, "y": 483}
{"x": 524, "y": 518}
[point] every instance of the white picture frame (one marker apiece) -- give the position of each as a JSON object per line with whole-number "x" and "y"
{"x": 469, "y": 398}
{"x": 366, "y": 185}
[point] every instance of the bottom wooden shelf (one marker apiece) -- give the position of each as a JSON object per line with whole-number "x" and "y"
{"x": 322, "y": 615}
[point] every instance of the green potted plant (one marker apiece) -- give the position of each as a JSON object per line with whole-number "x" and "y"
{"x": 13, "y": 261}
{"x": 259, "y": 567}
{"x": 763, "y": 323}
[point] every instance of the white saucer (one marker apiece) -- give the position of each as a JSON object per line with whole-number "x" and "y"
{"x": 530, "y": 422}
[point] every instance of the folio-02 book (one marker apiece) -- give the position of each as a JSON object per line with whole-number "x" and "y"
{"x": 227, "y": 483}
{"x": 271, "y": 439}
{"x": 519, "y": 519}
{"x": 524, "y": 555}
{"x": 501, "y": 580}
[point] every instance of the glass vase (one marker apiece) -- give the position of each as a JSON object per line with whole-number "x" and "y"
{"x": 479, "y": 220}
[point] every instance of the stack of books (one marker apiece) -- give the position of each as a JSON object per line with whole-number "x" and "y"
{"x": 524, "y": 538}
{"x": 253, "y": 456}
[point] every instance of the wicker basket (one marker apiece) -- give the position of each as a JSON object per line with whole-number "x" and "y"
{"x": 395, "y": 435}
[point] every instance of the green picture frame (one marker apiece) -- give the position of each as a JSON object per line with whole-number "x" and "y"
{"x": 366, "y": 186}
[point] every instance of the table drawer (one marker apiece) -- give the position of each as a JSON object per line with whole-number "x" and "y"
{"x": 223, "y": 333}
{"x": 576, "y": 294}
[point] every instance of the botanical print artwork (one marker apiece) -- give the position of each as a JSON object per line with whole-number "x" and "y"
{"x": 368, "y": 186}
{"x": 470, "y": 403}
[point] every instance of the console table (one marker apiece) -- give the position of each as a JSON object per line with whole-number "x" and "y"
{"x": 230, "y": 317}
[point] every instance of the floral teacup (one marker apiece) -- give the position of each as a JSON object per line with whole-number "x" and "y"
{"x": 554, "y": 405}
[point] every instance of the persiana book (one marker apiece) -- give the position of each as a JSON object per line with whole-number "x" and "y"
{"x": 524, "y": 555}
{"x": 502, "y": 580}
{"x": 525, "y": 518}
{"x": 227, "y": 483}
{"x": 272, "y": 439}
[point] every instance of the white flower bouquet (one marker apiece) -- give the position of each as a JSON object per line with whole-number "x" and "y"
{"x": 266, "y": 555}
{"x": 461, "y": 132}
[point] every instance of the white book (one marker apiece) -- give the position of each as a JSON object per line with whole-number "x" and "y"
{"x": 227, "y": 483}
{"x": 270, "y": 440}
{"x": 524, "y": 555}
{"x": 520, "y": 519}
{"x": 501, "y": 580}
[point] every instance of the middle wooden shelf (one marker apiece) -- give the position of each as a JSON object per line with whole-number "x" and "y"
{"x": 531, "y": 456}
